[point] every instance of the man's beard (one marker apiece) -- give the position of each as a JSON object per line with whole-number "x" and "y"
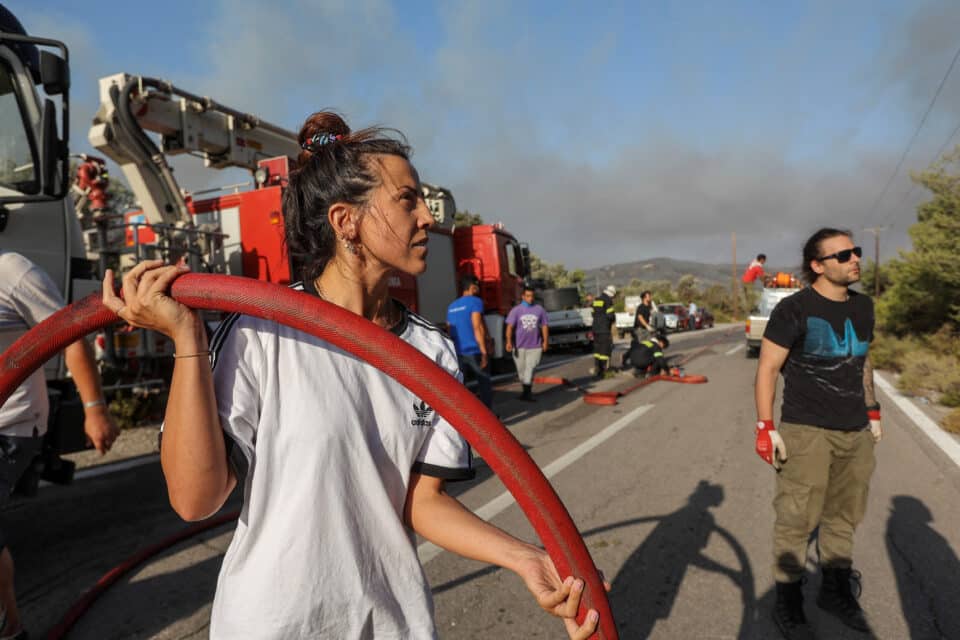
{"x": 848, "y": 279}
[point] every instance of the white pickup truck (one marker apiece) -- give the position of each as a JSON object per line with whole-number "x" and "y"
{"x": 757, "y": 320}
{"x": 625, "y": 318}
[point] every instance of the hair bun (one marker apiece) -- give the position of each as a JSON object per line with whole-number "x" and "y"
{"x": 320, "y": 128}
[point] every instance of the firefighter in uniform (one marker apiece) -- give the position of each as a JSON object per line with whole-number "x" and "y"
{"x": 603, "y": 319}
{"x": 644, "y": 354}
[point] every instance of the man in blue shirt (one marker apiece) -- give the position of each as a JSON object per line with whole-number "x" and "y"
{"x": 469, "y": 333}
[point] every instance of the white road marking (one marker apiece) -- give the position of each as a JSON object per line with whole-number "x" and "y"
{"x": 732, "y": 351}
{"x": 941, "y": 438}
{"x": 112, "y": 467}
{"x": 427, "y": 551}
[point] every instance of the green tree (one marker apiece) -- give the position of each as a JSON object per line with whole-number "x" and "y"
{"x": 687, "y": 288}
{"x": 466, "y": 219}
{"x": 554, "y": 275}
{"x": 121, "y": 197}
{"x": 925, "y": 282}
{"x": 868, "y": 275}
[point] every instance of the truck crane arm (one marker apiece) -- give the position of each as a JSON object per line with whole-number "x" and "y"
{"x": 187, "y": 123}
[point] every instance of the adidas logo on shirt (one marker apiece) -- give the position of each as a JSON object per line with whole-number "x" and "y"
{"x": 423, "y": 412}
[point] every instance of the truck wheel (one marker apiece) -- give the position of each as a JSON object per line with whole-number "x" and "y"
{"x": 753, "y": 352}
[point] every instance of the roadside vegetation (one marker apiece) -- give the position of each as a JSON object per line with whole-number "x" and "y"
{"x": 918, "y": 311}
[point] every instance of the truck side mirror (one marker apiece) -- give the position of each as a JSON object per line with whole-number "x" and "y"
{"x": 54, "y": 73}
{"x": 54, "y": 181}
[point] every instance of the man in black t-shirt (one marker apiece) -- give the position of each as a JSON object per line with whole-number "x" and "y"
{"x": 830, "y": 420}
{"x": 641, "y": 320}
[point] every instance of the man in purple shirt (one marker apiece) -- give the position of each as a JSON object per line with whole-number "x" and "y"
{"x": 527, "y": 338}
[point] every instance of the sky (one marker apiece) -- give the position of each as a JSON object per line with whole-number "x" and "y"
{"x": 598, "y": 133}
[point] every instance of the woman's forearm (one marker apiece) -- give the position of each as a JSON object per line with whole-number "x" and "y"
{"x": 444, "y": 521}
{"x": 193, "y": 452}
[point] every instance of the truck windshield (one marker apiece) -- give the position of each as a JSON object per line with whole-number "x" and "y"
{"x": 18, "y": 166}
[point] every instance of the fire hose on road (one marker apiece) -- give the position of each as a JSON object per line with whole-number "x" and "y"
{"x": 381, "y": 349}
{"x": 610, "y": 397}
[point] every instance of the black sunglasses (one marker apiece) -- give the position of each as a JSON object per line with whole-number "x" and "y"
{"x": 843, "y": 256}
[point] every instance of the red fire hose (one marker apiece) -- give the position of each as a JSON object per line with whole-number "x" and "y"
{"x": 610, "y": 397}
{"x": 380, "y": 348}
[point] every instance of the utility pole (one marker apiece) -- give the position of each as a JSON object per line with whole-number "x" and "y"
{"x": 876, "y": 258}
{"x": 733, "y": 277}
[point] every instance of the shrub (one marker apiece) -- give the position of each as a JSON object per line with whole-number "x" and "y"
{"x": 945, "y": 341}
{"x": 952, "y": 421}
{"x": 927, "y": 371}
{"x": 888, "y": 351}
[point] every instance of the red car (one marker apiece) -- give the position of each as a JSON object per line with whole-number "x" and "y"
{"x": 703, "y": 319}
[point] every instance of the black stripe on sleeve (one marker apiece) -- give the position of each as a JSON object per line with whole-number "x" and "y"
{"x": 236, "y": 458}
{"x": 445, "y": 473}
{"x": 220, "y": 336}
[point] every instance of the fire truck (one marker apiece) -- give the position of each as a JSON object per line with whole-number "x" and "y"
{"x": 238, "y": 233}
{"x": 241, "y": 233}
{"x": 76, "y": 235}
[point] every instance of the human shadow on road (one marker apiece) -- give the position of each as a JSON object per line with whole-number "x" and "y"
{"x": 926, "y": 568}
{"x": 647, "y": 586}
{"x": 547, "y": 397}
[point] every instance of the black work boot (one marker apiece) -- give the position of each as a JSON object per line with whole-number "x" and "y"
{"x": 837, "y": 597}
{"x": 788, "y": 612}
{"x": 527, "y": 394}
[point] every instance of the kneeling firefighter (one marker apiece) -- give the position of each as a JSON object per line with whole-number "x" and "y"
{"x": 644, "y": 353}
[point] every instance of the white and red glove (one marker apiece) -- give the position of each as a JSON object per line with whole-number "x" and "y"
{"x": 770, "y": 445}
{"x": 875, "y": 429}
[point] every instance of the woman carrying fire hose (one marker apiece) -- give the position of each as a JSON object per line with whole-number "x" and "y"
{"x": 338, "y": 462}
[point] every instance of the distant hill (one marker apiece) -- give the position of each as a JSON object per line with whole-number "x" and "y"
{"x": 669, "y": 269}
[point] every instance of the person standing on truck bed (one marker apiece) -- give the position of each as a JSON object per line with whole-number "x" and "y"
{"x": 754, "y": 270}
{"x": 340, "y": 464}
{"x": 641, "y": 320}
{"x": 527, "y": 329}
{"x": 819, "y": 339}
{"x": 469, "y": 334}
{"x": 27, "y": 297}
{"x": 603, "y": 319}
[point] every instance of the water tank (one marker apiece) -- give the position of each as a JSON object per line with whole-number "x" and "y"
{"x": 560, "y": 299}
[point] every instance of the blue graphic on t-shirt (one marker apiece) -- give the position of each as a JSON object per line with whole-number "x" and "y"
{"x": 823, "y": 341}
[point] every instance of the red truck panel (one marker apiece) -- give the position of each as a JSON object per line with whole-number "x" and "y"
{"x": 260, "y": 224}
{"x": 481, "y": 250}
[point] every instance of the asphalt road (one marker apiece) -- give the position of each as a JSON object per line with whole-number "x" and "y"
{"x": 672, "y": 502}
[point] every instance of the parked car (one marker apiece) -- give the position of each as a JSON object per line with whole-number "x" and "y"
{"x": 676, "y": 316}
{"x": 703, "y": 319}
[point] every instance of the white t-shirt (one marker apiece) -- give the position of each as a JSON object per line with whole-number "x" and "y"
{"x": 324, "y": 445}
{"x": 27, "y": 297}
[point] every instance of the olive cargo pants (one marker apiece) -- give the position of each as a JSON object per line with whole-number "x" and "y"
{"x": 824, "y": 482}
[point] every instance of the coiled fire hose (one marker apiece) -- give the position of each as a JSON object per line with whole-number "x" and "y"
{"x": 383, "y": 350}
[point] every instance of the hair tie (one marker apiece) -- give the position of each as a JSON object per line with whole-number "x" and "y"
{"x": 317, "y": 140}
